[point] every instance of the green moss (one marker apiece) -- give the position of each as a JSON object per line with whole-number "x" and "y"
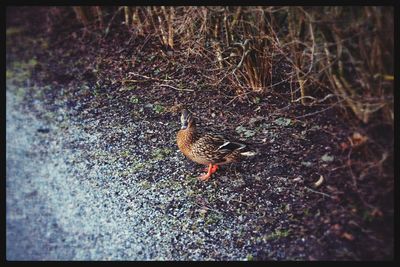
{"x": 190, "y": 193}
{"x": 190, "y": 181}
{"x": 9, "y": 74}
{"x": 44, "y": 44}
{"x": 245, "y": 132}
{"x": 138, "y": 166}
{"x": 212, "y": 218}
{"x": 134, "y": 100}
{"x": 20, "y": 93}
{"x": 327, "y": 158}
{"x": 306, "y": 211}
{"x": 367, "y": 217}
{"x": 306, "y": 163}
{"x": 279, "y": 233}
{"x": 125, "y": 154}
{"x": 200, "y": 242}
{"x": 161, "y": 153}
{"x": 128, "y": 88}
{"x": 283, "y": 121}
{"x": 145, "y": 184}
{"x": 158, "y": 108}
{"x": 125, "y": 173}
{"x": 13, "y": 30}
{"x": 20, "y": 71}
{"x": 32, "y": 62}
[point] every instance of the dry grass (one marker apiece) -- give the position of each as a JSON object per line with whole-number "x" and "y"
{"x": 345, "y": 52}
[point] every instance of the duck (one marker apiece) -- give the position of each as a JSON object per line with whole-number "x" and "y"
{"x": 209, "y": 148}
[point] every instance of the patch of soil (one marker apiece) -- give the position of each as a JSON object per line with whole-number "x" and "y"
{"x": 280, "y": 212}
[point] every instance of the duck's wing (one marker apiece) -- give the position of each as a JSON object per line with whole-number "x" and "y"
{"x": 215, "y": 147}
{"x": 221, "y": 144}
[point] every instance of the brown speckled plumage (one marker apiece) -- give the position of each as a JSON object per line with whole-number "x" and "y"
{"x": 209, "y": 148}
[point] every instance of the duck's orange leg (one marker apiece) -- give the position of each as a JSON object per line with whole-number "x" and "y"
{"x": 214, "y": 169}
{"x": 210, "y": 170}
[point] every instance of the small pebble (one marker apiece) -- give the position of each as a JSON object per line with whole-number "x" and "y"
{"x": 43, "y": 130}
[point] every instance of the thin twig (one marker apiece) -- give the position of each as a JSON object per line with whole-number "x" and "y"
{"x": 111, "y": 20}
{"x": 318, "y": 192}
{"x": 315, "y": 99}
{"x": 319, "y": 111}
{"x": 156, "y": 79}
{"x": 178, "y": 89}
{"x": 134, "y": 81}
{"x": 150, "y": 78}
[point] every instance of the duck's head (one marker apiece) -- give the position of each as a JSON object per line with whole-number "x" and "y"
{"x": 186, "y": 119}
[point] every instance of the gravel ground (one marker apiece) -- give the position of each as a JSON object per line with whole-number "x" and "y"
{"x": 58, "y": 210}
{"x": 72, "y": 194}
{"x": 64, "y": 203}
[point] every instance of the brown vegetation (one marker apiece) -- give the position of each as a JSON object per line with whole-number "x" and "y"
{"x": 340, "y": 53}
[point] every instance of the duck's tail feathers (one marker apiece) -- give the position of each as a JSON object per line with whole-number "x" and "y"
{"x": 249, "y": 153}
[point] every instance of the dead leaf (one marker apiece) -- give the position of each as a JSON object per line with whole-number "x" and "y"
{"x": 348, "y": 236}
{"x": 358, "y": 139}
{"x": 319, "y": 182}
{"x": 376, "y": 213}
